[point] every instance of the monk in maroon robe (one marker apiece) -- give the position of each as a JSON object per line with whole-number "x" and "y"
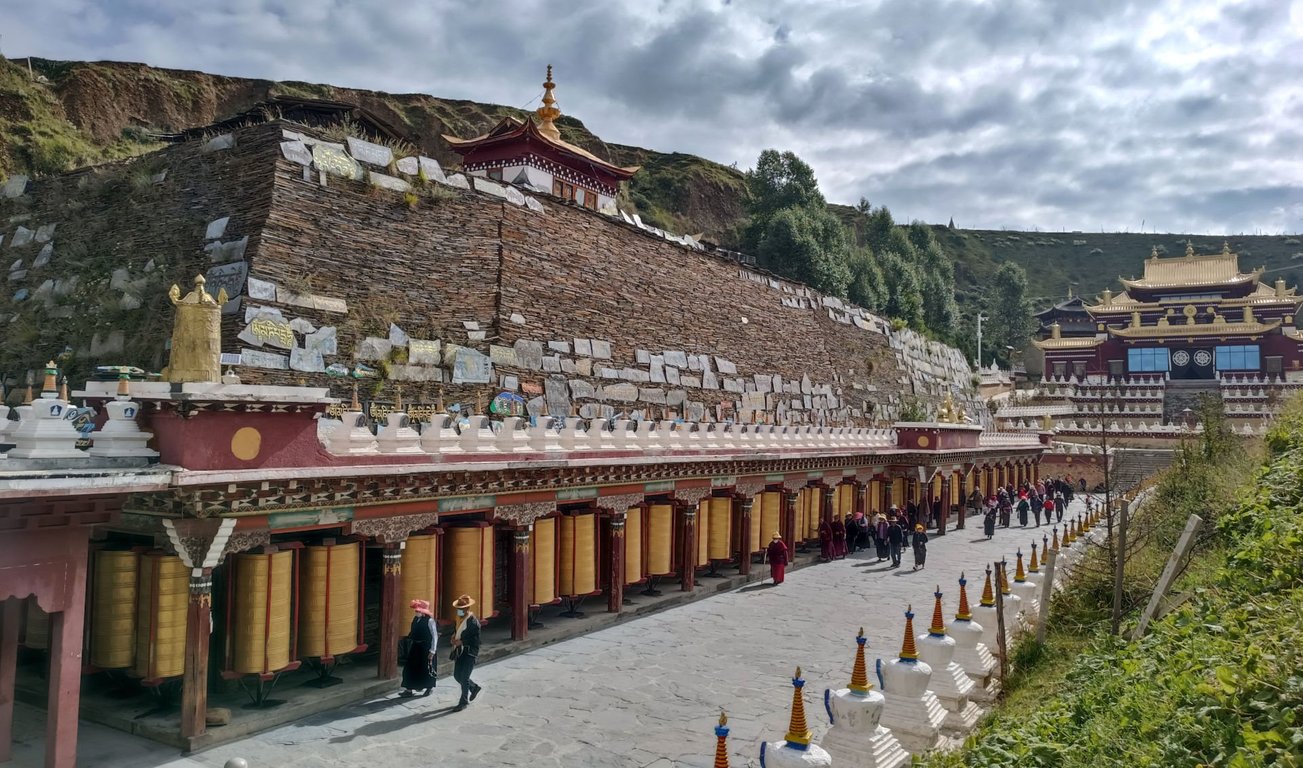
{"x": 825, "y": 542}
{"x": 776, "y": 552}
{"x": 838, "y": 538}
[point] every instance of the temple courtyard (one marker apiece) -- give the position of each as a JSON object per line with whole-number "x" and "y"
{"x": 643, "y": 693}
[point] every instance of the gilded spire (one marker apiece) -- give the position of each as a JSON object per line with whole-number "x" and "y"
{"x": 549, "y": 111}
{"x": 938, "y": 628}
{"x": 1004, "y": 578}
{"x": 354, "y": 405}
{"x": 907, "y": 650}
{"x": 798, "y": 733}
{"x": 721, "y": 741}
{"x": 1019, "y": 575}
{"x": 988, "y": 595}
{"x": 860, "y": 674}
{"x": 965, "y": 613}
{"x": 1054, "y": 545}
{"x": 1034, "y": 566}
{"x": 124, "y": 386}
{"x": 51, "y": 383}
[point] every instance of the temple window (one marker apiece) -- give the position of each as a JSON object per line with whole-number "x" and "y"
{"x": 1148, "y": 360}
{"x": 1238, "y": 357}
{"x": 495, "y": 174}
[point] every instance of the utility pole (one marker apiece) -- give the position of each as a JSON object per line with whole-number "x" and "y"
{"x": 980, "y": 318}
{"x": 1121, "y": 567}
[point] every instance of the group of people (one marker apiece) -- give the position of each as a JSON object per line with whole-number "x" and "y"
{"x": 417, "y": 651}
{"x": 1046, "y": 499}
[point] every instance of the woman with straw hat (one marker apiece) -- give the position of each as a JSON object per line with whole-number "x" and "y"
{"x": 419, "y": 647}
{"x": 465, "y": 649}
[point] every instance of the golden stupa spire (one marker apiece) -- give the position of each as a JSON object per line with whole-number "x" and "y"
{"x": 860, "y": 674}
{"x": 354, "y": 405}
{"x": 549, "y": 111}
{"x": 1004, "y": 578}
{"x": 908, "y": 652}
{"x": 721, "y": 741}
{"x": 124, "y": 386}
{"x": 63, "y": 389}
{"x": 938, "y": 627}
{"x": 988, "y": 595}
{"x": 1019, "y": 575}
{"x": 1054, "y": 545}
{"x": 965, "y": 613}
{"x": 798, "y": 733}
{"x": 1034, "y": 566}
{"x": 51, "y": 383}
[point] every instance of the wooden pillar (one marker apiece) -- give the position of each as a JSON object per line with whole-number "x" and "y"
{"x": 943, "y": 513}
{"x": 990, "y": 480}
{"x": 519, "y": 589}
{"x": 825, "y": 510}
{"x": 744, "y": 562}
{"x": 194, "y": 686}
{"x": 861, "y": 503}
{"x": 885, "y": 486}
{"x": 963, "y": 498}
{"x": 615, "y": 596}
{"x": 391, "y": 610}
{"x": 789, "y": 520}
{"x": 9, "y": 616}
{"x": 688, "y": 553}
{"x": 1036, "y": 471}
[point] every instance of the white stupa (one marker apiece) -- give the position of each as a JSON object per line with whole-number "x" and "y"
{"x": 121, "y": 436}
{"x": 950, "y": 683}
{"x": 43, "y": 432}
{"x": 971, "y": 653}
{"x": 796, "y": 749}
{"x": 912, "y": 712}
{"x": 857, "y": 737}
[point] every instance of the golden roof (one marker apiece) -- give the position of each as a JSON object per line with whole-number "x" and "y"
{"x": 1191, "y": 271}
{"x": 1079, "y": 342}
{"x": 1252, "y": 328}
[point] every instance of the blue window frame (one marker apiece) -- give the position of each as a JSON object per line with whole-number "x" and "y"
{"x": 1238, "y": 358}
{"x": 1147, "y": 360}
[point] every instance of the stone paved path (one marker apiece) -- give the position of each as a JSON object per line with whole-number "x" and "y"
{"x": 645, "y": 693}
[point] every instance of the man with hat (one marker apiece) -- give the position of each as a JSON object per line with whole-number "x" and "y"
{"x": 777, "y": 554}
{"x": 465, "y": 649}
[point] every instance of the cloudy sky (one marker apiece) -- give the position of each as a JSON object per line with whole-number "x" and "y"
{"x": 1183, "y": 115}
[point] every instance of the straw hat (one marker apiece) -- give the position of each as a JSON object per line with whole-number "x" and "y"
{"x": 421, "y": 606}
{"x": 919, "y": 527}
{"x": 776, "y": 536}
{"x": 463, "y": 602}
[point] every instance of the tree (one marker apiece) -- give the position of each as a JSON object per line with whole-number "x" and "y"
{"x": 780, "y": 180}
{"x": 809, "y": 246}
{"x": 867, "y": 288}
{"x": 1009, "y": 312}
{"x": 904, "y": 290}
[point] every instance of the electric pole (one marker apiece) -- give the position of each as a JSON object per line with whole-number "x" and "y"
{"x": 980, "y": 318}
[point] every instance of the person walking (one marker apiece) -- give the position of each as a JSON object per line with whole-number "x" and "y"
{"x": 838, "y": 538}
{"x": 895, "y": 539}
{"x": 1050, "y": 504}
{"x": 880, "y": 538}
{"x": 988, "y": 524}
{"x": 465, "y": 649}
{"x": 1060, "y": 504}
{"x": 777, "y": 554}
{"x": 920, "y": 547}
{"x": 417, "y": 652}
{"x": 826, "y": 553}
{"x": 852, "y": 534}
{"x": 1024, "y": 507}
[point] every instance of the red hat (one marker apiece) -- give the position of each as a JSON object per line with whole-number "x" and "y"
{"x": 421, "y": 606}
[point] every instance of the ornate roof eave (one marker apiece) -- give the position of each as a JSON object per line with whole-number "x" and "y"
{"x": 1122, "y": 308}
{"x": 511, "y": 129}
{"x": 1067, "y": 343}
{"x": 1200, "y": 329}
{"x": 1145, "y": 285}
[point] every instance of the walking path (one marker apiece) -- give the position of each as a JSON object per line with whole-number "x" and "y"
{"x": 643, "y": 693}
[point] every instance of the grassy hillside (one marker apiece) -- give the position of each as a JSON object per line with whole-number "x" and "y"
{"x": 70, "y": 114}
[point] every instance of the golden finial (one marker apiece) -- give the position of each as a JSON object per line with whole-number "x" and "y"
{"x": 1020, "y": 575}
{"x": 1004, "y": 578}
{"x": 479, "y": 403}
{"x": 51, "y": 384}
{"x": 124, "y": 386}
{"x": 438, "y": 403}
{"x": 797, "y": 731}
{"x": 908, "y": 652}
{"x": 549, "y": 111}
{"x": 723, "y": 717}
{"x": 938, "y": 621}
{"x": 196, "y": 335}
{"x": 1054, "y": 545}
{"x": 398, "y": 398}
{"x": 988, "y": 595}
{"x": 1189, "y": 248}
{"x": 721, "y": 741}
{"x": 965, "y": 613}
{"x": 1034, "y": 566}
{"x": 860, "y": 674}
{"x": 354, "y": 405}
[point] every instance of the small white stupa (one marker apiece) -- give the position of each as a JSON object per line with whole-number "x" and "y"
{"x": 987, "y": 617}
{"x": 121, "y": 437}
{"x": 796, "y": 749}
{"x": 912, "y": 712}
{"x": 950, "y": 683}
{"x": 352, "y": 437}
{"x": 1026, "y": 591}
{"x": 1012, "y": 605}
{"x": 857, "y": 737}
{"x": 971, "y": 653}
{"x": 43, "y": 431}
{"x": 396, "y": 434}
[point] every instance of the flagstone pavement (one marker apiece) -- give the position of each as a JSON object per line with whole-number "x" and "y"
{"x": 645, "y": 693}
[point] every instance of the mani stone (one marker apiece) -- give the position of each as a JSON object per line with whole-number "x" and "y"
{"x": 725, "y": 366}
{"x": 584, "y": 367}
{"x": 514, "y": 196}
{"x": 307, "y": 360}
{"x": 676, "y": 358}
{"x": 373, "y": 348}
{"x": 583, "y": 348}
{"x": 559, "y": 346}
{"x": 642, "y": 356}
{"x": 608, "y": 373}
{"x": 261, "y": 289}
{"x": 529, "y": 354}
{"x": 422, "y": 351}
{"x": 533, "y": 205}
{"x": 457, "y": 180}
{"x": 14, "y": 187}
{"x": 490, "y": 187}
{"x": 476, "y": 335}
{"x": 517, "y": 318}
{"x": 690, "y": 381}
{"x": 509, "y": 383}
{"x": 536, "y": 406}
{"x": 654, "y": 396}
{"x": 225, "y": 141}
{"x": 323, "y": 340}
{"x": 471, "y": 367}
{"x": 552, "y": 364}
{"x": 43, "y": 257}
{"x": 408, "y": 165}
{"x": 335, "y": 161}
{"x": 671, "y": 375}
{"x": 22, "y": 236}
{"x": 621, "y": 393}
{"x": 296, "y": 152}
{"x": 385, "y": 181}
{"x": 582, "y": 390}
{"x": 675, "y": 397}
{"x": 556, "y": 390}
{"x": 45, "y": 232}
{"x": 430, "y": 167}
{"x": 367, "y": 152}
{"x": 232, "y": 251}
{"x": 501, "y": 355}
{"x": 601, "y": 349}
{"x": 256, "y": 358}
{"x": 397, "y": 336}
{"x": 708, "y": 380}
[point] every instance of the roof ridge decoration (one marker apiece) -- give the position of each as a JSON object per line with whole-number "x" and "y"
{"x": 1191, "y": 270}
{"x": 549, "y": 112}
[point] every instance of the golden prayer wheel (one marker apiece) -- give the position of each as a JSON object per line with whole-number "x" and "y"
{"x": 262, "y": 596}
{"x": 468, "y": 568}
{"x": 328, "y": 600}
{"x": 703, "y": 534}
{"x": 844, "y": 501}
{"x": 813, "y": 511}
{"x": 578, "y": 555}
{"x": 162, "y": 601}
{"x": 420, "y": 576}
{"x": 770, "y": 519}
{"x": 542, "y": 582}
{"x": 898, "y": 493}
{"x": 36, "y": 632}
{"x": 721, "y": 528}
{"x": 633, "y": 560}
{"x": 660, "y": 540}
{"x": 755, "y": 543}
{"x": 113, "y": 610}
{"x": 802, "y": 511}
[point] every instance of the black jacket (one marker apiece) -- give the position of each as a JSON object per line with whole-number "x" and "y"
{"x": 470, "y": 637}
{"x": 894, "y": 533}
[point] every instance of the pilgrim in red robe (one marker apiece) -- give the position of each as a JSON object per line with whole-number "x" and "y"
{"x": 776, "y": 552}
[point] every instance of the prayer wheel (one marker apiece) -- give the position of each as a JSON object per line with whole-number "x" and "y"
{"x": 328, "y": 600}
{"x": 262, "y": 598}
{"x": 36, "y": 632}
{"x": 721, "y": 528}
{"x": 578, "y": 555}
{"x": 634, "y": 571}
{"x": 755, "y": 543}
{"x": 703, "y": 534}
{"x": 113, "y": 610}
{"x": 843, "y": 501}
{"x": 813, "y": 511}
{"x": 769, "y": 521}
{"x": 162, "y": 602}
{"x": 468, "y": 568}
{"x": 660, "y": 540}
{"x": 802, "y": 509}
{"x": 542, "y": 582}
{"x": 898, "y": 493}
{"x": 420, "y": 576}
